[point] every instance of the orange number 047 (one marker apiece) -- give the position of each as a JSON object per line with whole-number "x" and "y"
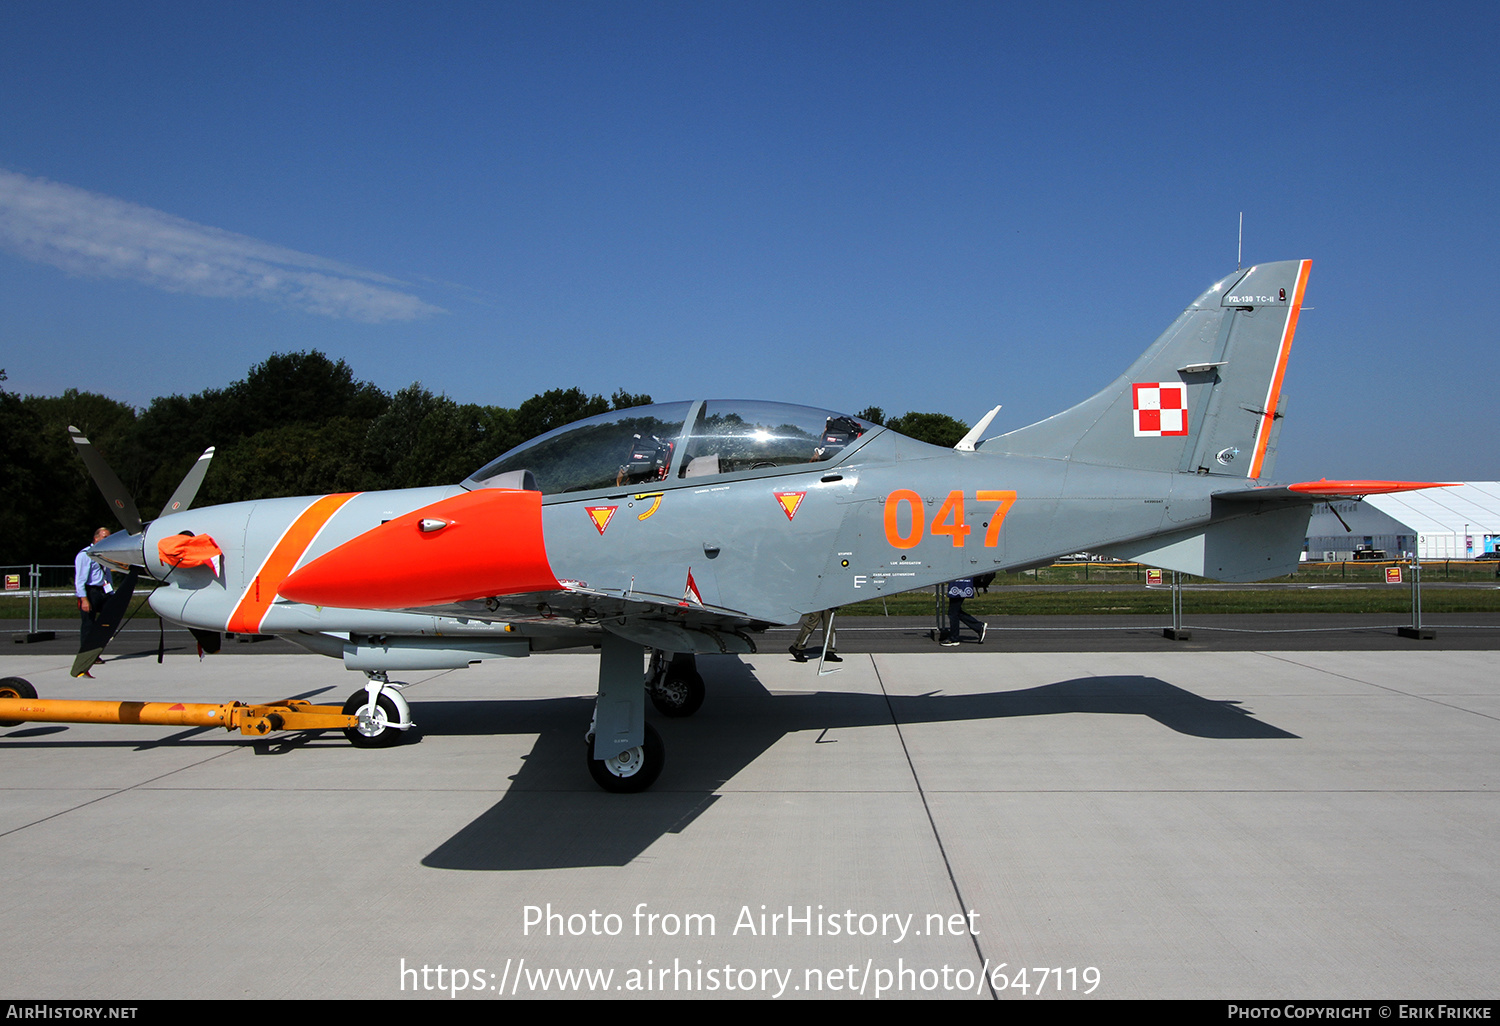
{"x": 949, "y": 519}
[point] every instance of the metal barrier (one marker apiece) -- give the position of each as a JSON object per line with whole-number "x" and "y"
{"x": 30, "y": 578}
{"x": 1351, "y": 572}
{"x": 56, "y": 577}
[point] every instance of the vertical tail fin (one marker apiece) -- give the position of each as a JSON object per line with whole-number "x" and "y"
{"x": 1202, "y": 400}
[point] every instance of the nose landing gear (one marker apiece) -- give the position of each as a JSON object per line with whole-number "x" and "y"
{"x": 382, "y": 715}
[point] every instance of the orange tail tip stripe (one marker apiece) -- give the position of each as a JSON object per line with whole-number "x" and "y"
{"x": 491, "y": 544}
{"x": 1273, "y": 394}
{"x": 248, "y": 615}
{"x": 1326, "y": 487}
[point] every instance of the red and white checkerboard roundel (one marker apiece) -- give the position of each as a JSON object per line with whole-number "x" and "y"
{"x": 1160, "y": 408}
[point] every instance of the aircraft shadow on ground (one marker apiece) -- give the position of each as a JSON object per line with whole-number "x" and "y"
{"x": 552, "y": 816}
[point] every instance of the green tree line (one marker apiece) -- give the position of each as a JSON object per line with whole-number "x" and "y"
{"x": 296, "y": 424}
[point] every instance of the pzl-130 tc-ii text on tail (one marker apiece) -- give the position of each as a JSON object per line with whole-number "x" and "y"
{"x": 689, "y": 527}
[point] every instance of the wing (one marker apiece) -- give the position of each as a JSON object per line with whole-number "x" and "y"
{"x": 681, "y": 623}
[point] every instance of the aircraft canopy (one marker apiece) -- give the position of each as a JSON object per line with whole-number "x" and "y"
{"x": 669, "y": 442}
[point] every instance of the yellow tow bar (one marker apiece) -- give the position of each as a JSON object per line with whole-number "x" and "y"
{"x": 288, "y": 714}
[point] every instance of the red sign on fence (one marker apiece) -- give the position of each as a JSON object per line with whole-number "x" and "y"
{"x": 1393, "y": 575}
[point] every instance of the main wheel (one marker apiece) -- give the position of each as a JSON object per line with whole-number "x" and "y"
{"x": 678, "y": 693}
{"x": 376, "y": 732}
{"x": 15, "y": 687}
{"x": 634, "y": 769}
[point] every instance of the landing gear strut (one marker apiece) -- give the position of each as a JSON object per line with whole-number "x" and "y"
{"x": 623, "y": 753}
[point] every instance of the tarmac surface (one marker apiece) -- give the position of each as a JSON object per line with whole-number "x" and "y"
{"x": 1120, "y": 814}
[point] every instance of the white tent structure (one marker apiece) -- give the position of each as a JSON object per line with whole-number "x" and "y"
{"x": 1462, "y": 522}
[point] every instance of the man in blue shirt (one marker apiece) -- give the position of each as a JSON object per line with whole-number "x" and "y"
{"x": 90, "y": 585}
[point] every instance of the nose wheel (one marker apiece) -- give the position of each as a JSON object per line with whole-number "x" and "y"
{"x": 634, "y": 769}
{"x": 376, "y": 729}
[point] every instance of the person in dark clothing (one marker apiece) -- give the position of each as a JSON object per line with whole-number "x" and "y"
{"x": 958, "y": 591}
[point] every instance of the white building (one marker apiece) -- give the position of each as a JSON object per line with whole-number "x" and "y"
{"x": 1440, "y": 523}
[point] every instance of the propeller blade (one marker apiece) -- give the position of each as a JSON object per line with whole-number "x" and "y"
{"x": 114, "y": 492}
{"x": 105, "y": 625}
{"x": 182, "y": 498}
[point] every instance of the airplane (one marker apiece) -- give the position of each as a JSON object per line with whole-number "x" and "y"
{"x": 658, "y": 533}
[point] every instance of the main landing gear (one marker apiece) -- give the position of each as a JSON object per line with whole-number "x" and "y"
{"x": 632, "y": 770}
{"x": 624, "y": 753}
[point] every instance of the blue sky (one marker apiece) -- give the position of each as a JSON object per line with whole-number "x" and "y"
{"x": 918, "y": 206}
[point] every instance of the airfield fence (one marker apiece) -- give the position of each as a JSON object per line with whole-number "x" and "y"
{"x": 47, "y": 589}
{"x": 1077, "y": 588}
{"x": 1369, "y": 571}
{"x": 32, "y": 580}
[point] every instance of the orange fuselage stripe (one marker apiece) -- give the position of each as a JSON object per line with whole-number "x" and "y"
{"x": 1273, "y": 395}
{"x": 248, "y": 615}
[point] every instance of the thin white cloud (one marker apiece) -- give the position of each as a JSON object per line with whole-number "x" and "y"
{"x": 85, "y": 233}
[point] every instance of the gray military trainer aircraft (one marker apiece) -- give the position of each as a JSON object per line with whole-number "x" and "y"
{"x": 684, "y": 528}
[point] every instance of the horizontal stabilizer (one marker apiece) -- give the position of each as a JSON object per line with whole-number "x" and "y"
{"x": 1327, "y": 491}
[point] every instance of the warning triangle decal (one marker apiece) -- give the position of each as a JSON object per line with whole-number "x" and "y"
{"x": 600, "y": 515}
{"x": 789, "y": 502}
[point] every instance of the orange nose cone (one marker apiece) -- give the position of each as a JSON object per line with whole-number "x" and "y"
{"x": 480, "y": 543}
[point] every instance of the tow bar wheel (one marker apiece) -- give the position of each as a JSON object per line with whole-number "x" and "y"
{"x": 15, "y": 687}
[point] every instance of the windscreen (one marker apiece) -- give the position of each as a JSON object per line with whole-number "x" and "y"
{"x": 650, "y": 444}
